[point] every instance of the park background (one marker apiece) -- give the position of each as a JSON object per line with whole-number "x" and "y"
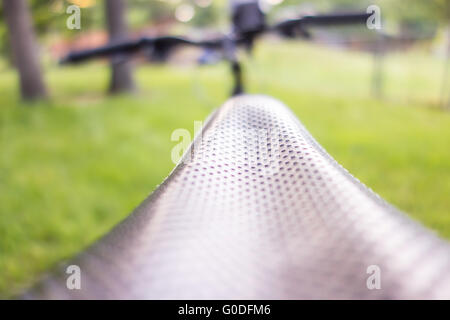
{"x": 79, "y": 152}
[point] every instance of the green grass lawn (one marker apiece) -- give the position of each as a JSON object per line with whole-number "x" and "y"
{"x": 72, "y": 168}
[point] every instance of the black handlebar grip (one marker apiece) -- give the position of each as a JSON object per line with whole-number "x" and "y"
{"x": 109, "y": 49}
{"x": 295, "y": 27}
{"x": 333, "y": 19}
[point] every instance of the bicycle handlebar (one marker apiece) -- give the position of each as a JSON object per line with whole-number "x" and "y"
{"x": 286, "y": 28}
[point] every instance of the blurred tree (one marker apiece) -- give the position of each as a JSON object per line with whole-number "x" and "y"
{"x": 331, "y": 5}
{"x": 24, "y": 49}
{"x": 121, "y": 77}
{"x": 437, "y": 11}
{"x": 160, "y": 11}
{"x": 206, "y": 16}
{"x": 144, "y": 11}
{"x": 49, "y": 16}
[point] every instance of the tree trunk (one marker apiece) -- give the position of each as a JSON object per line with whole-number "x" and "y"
{"x": 24, "y": 49}
{"x": 445, "y": 96}
{"x": 121, "y": 77}
{"x": 377, "y": 76}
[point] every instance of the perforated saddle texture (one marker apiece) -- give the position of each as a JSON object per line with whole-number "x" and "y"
{"x": 258, "y": 210}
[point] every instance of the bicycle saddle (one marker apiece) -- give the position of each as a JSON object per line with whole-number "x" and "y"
{"x": 257, "y": 209}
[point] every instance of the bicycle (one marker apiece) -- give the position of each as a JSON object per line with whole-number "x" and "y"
{"x": 246, "y": 215}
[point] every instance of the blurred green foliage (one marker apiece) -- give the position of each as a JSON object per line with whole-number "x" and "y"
{"x": 49, "y": 15}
